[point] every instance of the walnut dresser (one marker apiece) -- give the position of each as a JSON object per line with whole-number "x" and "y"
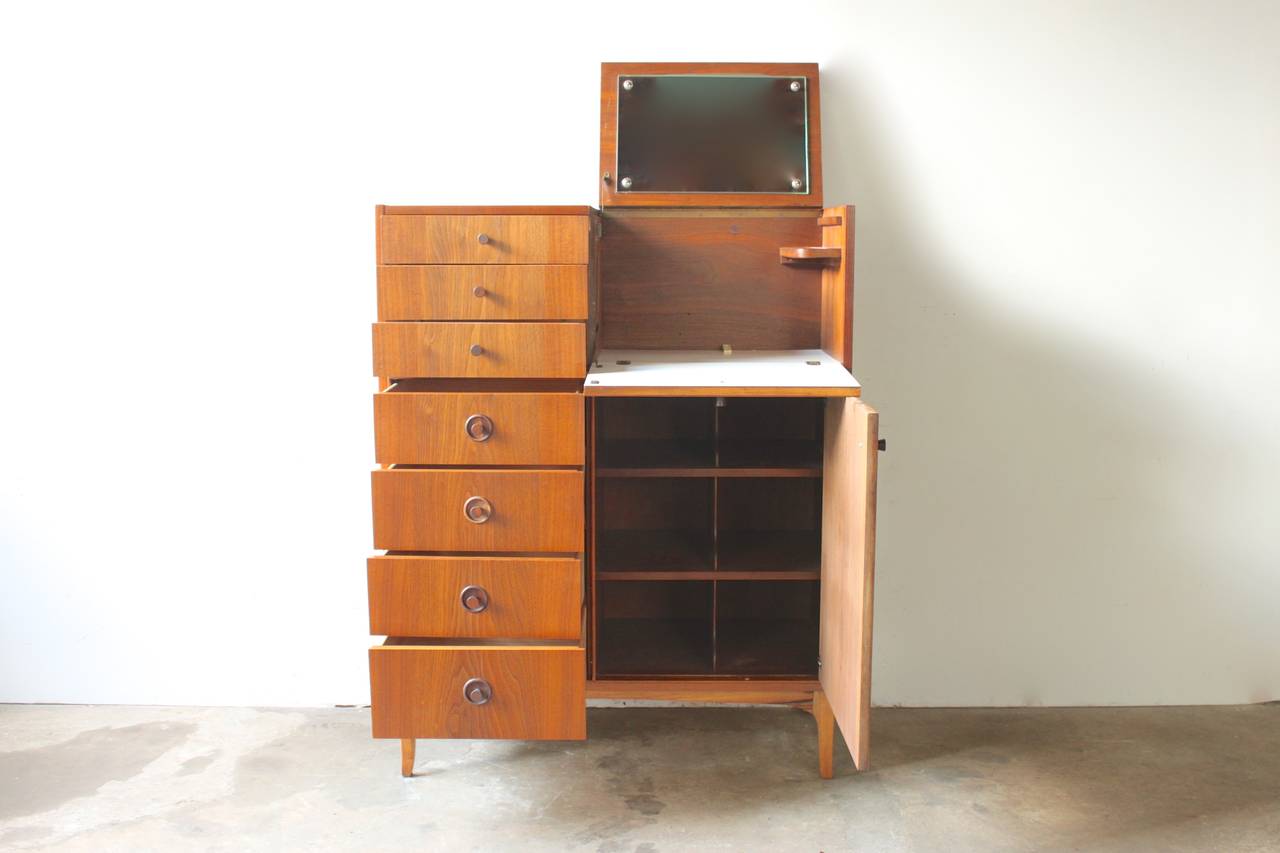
{"x": 621, "y": 453}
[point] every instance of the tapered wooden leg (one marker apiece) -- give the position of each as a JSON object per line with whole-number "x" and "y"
{"x": 407, "y": 747}
{"x": 826, "y": 734}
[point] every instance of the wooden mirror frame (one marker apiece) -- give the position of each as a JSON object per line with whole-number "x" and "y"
{"x": 609, "y": 74}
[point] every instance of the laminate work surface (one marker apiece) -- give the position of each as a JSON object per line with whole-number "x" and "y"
{"x": 99, "y": 778}
{"x": 770, "y": 373}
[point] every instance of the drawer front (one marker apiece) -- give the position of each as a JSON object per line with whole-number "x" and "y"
{"x": 483, "y": 292}
{"x": 478, "y": 429}
{"x": 538, "y": 598}
{"x": 480, "y": 350}
{"x": 485, "y": 239}
{"x": 426, "y": 510}
{"x": 534, "y": 693}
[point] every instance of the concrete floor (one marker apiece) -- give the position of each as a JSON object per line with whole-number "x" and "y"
{"x": 129, "y": 778}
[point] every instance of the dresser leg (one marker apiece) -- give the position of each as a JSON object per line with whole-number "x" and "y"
{"x": 826, "y": 734}
{"x": 407, "y": 746}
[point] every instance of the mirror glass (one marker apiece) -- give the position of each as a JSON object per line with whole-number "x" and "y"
{"x": 712, "y": 134}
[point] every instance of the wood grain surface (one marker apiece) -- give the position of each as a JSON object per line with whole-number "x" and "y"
{"x": 412, "y": 239}
{"x": 430, "y": 428}
{"x": 528, "y": 597}
{"x": 848, "y": 568}
{"x": 538, "y": 692}
{"x": 761, "y": 691}
{"x": 480, "y": 209}
{"x": 419, "y": 509}
{"x": 837, "y": 287}
{"x": 529, "y": 350}
{"x": 697, "y": 282}
{"x": 505, "y": 292}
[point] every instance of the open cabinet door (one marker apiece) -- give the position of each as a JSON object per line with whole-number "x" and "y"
{"x": 848, "y": 567}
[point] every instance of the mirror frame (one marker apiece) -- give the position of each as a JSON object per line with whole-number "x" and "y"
{"x": 610, "y": 72}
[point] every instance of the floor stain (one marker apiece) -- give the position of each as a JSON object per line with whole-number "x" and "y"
{"x": 198, "y": 763}
{"x": 40, "y": 779}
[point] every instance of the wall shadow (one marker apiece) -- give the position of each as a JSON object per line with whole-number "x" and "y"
{"x": 1050, "y": 528}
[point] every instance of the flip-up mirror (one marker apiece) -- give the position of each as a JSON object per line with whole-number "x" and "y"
{"x": 710, "y": 135}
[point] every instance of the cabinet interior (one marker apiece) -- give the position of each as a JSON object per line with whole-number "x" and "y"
{"x": 698, "y": 280}
{"x": 707, "y": 519}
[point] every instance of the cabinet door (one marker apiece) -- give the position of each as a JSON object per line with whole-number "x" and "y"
{"x": 848, "y": 567}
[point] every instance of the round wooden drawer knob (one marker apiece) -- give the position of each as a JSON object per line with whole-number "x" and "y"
{"x": 479, "y": 427}
{"x": 475, "y": 599}
{"x": 477, "y": 510}
{"x": 482, "y": 238}
{"x": 478, "y": 291}
{"x": 476, "y": 349}
{"x": 477, "y": 691}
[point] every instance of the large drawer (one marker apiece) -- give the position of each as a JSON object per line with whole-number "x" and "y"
{"x": 485, "y": 239}
{"x": 423, "y": 509}
{"x": 483, "y": 292}
{"x": 532, "y": 692}
{"x": 432, "y": 428}
{"x": 537, "y": 598}
{"x": 480, "y": 350}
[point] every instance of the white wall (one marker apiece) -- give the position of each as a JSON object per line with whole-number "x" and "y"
{"x": 1067, "y": 278}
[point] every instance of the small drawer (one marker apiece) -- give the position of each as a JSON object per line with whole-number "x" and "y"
{"x": 528, "y": 692}
{"x": 412, "y": 428}
{"x": 536, "y": 598}
{"x": 408, "y": 239}
{"x": 480, "y": 350}
{"x": 424, "y": 509}
{"x": 483, "y": 292}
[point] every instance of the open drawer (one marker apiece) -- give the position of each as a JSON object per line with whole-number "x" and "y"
{"x": 468, "y": 422}
{"x": 421, "y": 689}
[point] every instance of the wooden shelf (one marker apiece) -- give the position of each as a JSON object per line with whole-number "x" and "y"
{"x": 714, "y": 576}
{"x": 611, "y": 473}
{"x": 825, "y": 254}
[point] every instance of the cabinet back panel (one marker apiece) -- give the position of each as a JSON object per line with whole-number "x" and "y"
{"x": 699, "y": 281}
{"x": 654, "y": 504}
{"x": 760, "y": 504}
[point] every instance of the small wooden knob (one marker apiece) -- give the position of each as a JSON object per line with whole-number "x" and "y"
{"x": 474, "y": 599}
{"x": 478, "y": 510}
{"x": 477, "y": 691}
{"x": 476, "y": 349}
{"x": 479, "y": 427}
{"x": 482, "y": 238}
{"x": 478, "y": 291}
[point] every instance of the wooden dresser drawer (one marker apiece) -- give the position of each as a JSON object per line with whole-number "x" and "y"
{"x": 432, "y": 428}
{"x": 489, "y": 239}
{"x": 483, "y": 292}
{"x": 480, "y": 350}
{"x": 528, "y": 692}
{"x": 423, "y": 509}
{"x": 536, "y": 598}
